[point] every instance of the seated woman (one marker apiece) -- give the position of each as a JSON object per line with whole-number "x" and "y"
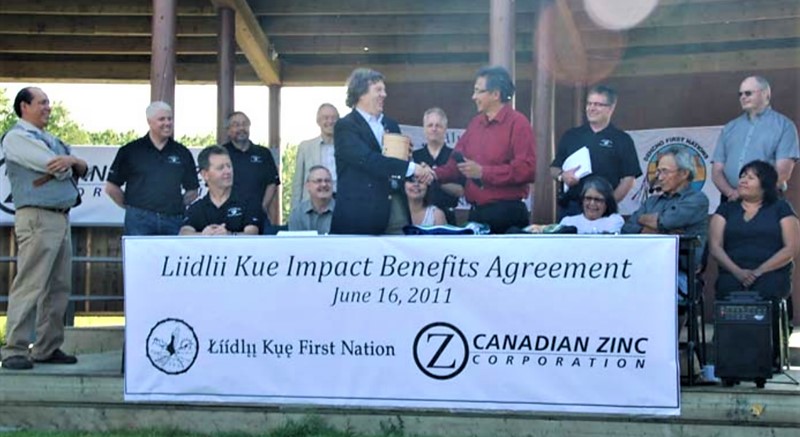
{"x": 754, "y": 239}
{"x": 599, "y": 209}
{"x": 422, "y": 213}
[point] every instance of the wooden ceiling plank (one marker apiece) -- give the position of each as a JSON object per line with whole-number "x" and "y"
{"x": 698, "y": 34}
{"x": 118, "y": 45}
{"x": 708, "y": 13}
{"x": 92, "y": 25}
{"x": 371, "y": 7}
{"x": 100, "y": 7}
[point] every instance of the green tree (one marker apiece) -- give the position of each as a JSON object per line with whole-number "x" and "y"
{"x": 288, "y": 160}
{"x": 198, "y": 140}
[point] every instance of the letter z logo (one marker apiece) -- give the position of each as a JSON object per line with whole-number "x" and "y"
{"x": 441, "y": 350}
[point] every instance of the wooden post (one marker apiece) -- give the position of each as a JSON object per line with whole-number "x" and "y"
{"x": 502, "y": 41}
{"x": 275, "y": 146}
{"x": 226, "y": 61}
{"x": 162, "y": 62}
{"x": 580, "y": 105}
{"x": 543, "y": 110}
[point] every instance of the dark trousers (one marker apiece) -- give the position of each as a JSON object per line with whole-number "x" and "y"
{"x": 501, "y": 215}
{"x": 143, "y": 222}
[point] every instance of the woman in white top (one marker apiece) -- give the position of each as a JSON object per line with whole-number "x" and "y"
{"x": 422, "y": 214}
{"x": 599, "y": 209}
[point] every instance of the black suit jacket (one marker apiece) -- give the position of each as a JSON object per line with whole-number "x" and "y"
{"x": 364, "y": 177}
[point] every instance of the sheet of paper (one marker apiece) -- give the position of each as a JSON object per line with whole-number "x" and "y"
{"x": 579, "y": 158}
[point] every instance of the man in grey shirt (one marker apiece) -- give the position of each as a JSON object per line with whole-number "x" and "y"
{"x": 759, "y": 133}
{"x": 43, "y": 174}
{"x": 679, "y": 209}
{"x": 316, "y": 212}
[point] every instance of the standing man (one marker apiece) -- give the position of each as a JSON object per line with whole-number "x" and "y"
{"x": 220, "y": 212}
{"x": 497, "y": 154}
{"x": 611, "y": 151}
{"x": 43, "y": 176}
{"x": 315, "y": 152}
{"x": 370, "y": 197}
{"x": 759, "y": 133}
{"x": 153, "y": 170}
{"x": 316, "y": 212}
{"x": 257, "y": 177}
{"x": 435, "y": 153}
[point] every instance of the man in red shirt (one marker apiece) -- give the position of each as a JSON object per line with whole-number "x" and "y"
{"x": 496, "y": 155}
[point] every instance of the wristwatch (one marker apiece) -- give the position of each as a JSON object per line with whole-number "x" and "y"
{"x": 559, "y": 177}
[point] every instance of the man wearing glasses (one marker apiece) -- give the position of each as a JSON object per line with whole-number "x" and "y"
{"x": 315, "y": 213}
{"x": 611, "y": 151}
{"x": 759, "y": 133}
{"x": 496, "y": 155}
{"x": 257, "y": 178}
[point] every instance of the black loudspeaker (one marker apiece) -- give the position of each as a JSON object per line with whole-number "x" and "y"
{"x": 743, "y": 340}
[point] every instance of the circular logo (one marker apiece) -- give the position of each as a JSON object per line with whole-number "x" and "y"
{"x": 172, "y": 346}
{"x": 441, "y": 350}
{"x": 697, "y": 159}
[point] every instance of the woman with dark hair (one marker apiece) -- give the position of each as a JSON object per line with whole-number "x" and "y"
{"x": 755, "y": 238}
{"x": 599, "y": 209}
{"x": 422, "y": 212}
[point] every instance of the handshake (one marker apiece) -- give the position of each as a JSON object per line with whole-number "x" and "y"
{"x": 424, "y": 174}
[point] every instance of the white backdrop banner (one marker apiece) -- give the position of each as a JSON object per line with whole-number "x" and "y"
{"x": 544, "y": 323}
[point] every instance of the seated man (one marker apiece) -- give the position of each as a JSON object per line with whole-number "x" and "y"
{"x": 679, "y": 209}
{"x": 220, "y": 212}
{"x": 316, "y": 212}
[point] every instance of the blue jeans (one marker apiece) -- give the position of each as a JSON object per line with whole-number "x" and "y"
{"x": 143, "y": 222}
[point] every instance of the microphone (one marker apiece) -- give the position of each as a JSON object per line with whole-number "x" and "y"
{"x": 459, "y": 158}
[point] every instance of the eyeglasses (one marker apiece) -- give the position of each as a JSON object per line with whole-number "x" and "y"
{"x": 598, "y": 104}
{"x": 237, "y": 124}
{"x": 747, "y": 93}
{"x": 479, "y": 91}
{"x": 590, "y": 199}
{"x": 321, "y": 181}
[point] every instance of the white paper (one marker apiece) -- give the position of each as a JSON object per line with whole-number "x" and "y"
{"x": 579, "y": 158}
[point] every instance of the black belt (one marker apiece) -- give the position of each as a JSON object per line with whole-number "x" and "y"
{"x": 48, "y": 208}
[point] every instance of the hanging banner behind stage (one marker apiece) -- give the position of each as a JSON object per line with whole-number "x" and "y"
{"x": 531, "y": 323}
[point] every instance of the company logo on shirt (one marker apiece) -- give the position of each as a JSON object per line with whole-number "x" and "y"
{"x": 234, "y": 211}
{"x": 255, "y": 159}
{"x": 605, "y": 142}
{"x": 173, "y": 159}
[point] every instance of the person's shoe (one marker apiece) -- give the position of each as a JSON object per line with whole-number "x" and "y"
{"x": 58, "y": 357}
{"x": 17, "y": 362}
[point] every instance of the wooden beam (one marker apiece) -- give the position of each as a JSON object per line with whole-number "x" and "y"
{"x": 566, "y": 40}
{"x": 102, "y": 7}
{"x": 254, "y": 42}
{"x": 384, "y": 44}
{"x": 697, "y": 34}
{"x": 371, "y": 7}
{"x": 385, "y": 24}
{"x": 106, "y": 25}
{"x": 692, "y": 13}
{"x": 101, "y": 45}
{"x": 59, "y": 69}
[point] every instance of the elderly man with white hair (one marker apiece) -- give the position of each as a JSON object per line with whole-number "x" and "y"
{"x": 159, "y": 177}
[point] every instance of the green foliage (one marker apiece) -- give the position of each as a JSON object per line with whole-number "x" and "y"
{"x": 198, "y": 140}
{"x": 112, "y": 138}
{"x": 288, "y": 160}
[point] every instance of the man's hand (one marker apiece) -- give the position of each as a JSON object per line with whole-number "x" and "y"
{"x": 424, "y": 174}
{"x": 215, "y": 230}
{"x": 60, "y": 164}
{"x": 569, "y": 178}
{"x": 733, "y": 196}
{"x": 470, "y": 169}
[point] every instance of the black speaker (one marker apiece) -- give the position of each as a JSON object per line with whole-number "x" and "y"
{"x": 743, "y": 340}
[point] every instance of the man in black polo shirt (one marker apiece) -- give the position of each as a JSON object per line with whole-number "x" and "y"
{"x": 257, "y": 178}
{"x": 611, "y": 150}
{"x": 153, "y": 170}
{"x": 435, "y": 153}
{"x": 220, "y": 212}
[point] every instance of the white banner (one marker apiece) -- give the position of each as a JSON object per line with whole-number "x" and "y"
{"x": 544, "y": 323}
{"x": 96, "y": 209}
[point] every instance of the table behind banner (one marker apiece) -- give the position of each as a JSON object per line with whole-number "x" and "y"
{"x": 546, "y": 323}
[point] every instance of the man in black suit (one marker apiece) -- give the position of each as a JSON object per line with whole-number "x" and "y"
{"x": 369, "y": 198}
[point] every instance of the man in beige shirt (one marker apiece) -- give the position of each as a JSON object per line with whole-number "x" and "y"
{"x": 314, "y": 152}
